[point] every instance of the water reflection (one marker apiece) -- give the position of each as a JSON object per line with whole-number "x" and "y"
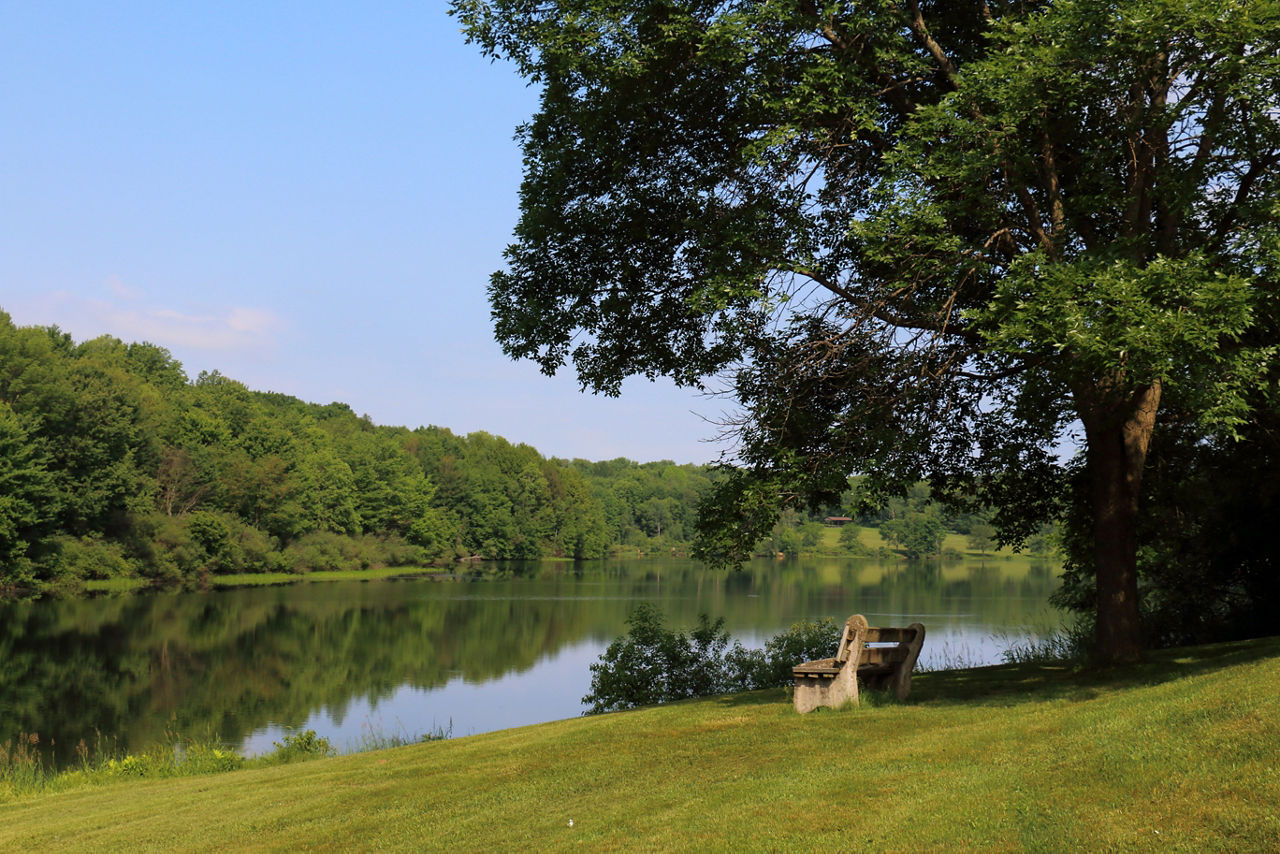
{"x": 493, "y": 649}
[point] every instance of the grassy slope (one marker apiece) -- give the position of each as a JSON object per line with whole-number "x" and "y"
{"x": 870, "y": 537}
{"x": 1182, "y": 750}
{"x": 1012, "y": 564}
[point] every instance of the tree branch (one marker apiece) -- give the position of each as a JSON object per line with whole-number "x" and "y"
{"x": 1257, "y": 168}
{"x": 921, "y": 31}
{"x": 1022, "y": 367}
{"x": 882, "y": 312}
{"x": 893, "y": 90}
{"x": 1053, "y": 184}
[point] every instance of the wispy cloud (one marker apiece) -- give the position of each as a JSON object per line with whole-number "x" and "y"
{"x": 126, "y": 312}
{"x": 254, "y": 321}
{"x": 123, "y": 291}
{"x": 233, "y": 329}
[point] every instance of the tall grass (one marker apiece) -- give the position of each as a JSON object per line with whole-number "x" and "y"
{"x": 374, "y": 737}
{"x": 27, "y": 770}
{"x": 21, "y": 765}
{"x": 1050, "y": 644}
{"x": 948, "y": 655}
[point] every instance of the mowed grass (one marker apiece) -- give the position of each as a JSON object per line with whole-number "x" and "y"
{"x": 1010, "y": 563}
{"x": 872, "y": 539}
{"x": 1182, "y": 750}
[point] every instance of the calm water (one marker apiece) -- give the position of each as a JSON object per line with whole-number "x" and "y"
{"x": 499, "y": 649}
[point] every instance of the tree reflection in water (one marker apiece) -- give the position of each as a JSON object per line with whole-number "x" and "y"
{"x": 503, "y": 646}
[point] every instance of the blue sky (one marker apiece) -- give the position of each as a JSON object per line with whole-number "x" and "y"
{"x": 308, "y": 197}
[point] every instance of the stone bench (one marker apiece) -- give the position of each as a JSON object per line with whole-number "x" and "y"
{"x": 879, "y": 657}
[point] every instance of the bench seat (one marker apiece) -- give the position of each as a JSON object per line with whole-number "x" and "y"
{"x": 877, "y": 656}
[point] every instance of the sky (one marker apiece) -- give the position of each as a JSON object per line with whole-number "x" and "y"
{"x": 306, "y": 196}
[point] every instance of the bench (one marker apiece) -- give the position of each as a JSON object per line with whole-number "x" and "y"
{"x": 879, "y": 657}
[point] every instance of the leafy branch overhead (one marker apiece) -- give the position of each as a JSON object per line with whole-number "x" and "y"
{"x": 913, "y": 239}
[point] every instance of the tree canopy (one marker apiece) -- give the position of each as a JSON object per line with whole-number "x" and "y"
{"x": 113, "y": 464}
{"x": 920, "y": 240}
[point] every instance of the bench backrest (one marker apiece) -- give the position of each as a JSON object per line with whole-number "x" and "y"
{"x": 854, "y": 637}
{"x": 857, "y": 635}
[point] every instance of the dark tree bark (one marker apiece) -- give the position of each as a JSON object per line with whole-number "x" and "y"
{"x": 1119, "y": 435}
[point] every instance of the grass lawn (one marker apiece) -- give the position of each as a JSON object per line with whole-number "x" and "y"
{"x": 1017, "y": 563}
{"x": 1181, "y": 751}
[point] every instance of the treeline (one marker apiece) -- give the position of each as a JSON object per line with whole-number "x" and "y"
{"x": 114, "y": 463}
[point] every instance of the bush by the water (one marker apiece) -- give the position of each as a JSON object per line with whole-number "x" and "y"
{"x": 25, "y": 770}
{"x": 653, "y": 664}
{"x": 299, "y": 746}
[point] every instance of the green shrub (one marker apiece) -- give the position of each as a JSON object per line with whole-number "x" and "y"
{"x": 207, "y": 759}
{"x": 851, "y": 542}
{"x": 130, "y": 765}
{"x": 653, "y": 664}
{"x": 300, "y": 746}
{"x": 394, "y": 550}
{"x": 213, "y": 534}
{"x": 810, "y": 534}
{"x": 806, "y": 640}
{"x": 168, "y": 552}
{"x": 751, "y": 669}
{"x": 318, "y": 551}
{"x": 202, "y": 543}
{"x": 174, "y": 760}
{"x": 89, "y": 557}
{"x": 256, "y": 550}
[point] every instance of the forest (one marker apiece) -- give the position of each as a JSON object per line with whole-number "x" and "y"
{"x": 113, "y": 463}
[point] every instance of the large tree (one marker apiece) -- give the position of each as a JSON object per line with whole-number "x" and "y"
{"x": 918, "y": 239}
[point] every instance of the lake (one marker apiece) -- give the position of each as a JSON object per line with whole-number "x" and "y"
{"x": 500, "y": 647}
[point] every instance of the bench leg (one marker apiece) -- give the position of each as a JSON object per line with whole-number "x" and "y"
{"x": 809, "y": 694}
{"x": 901, "y": 681}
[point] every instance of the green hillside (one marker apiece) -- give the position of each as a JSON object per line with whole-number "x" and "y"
{"x": 1182, "y": 750}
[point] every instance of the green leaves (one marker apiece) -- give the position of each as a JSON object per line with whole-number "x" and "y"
{"x": 27, "y": 500}
{"x": 1179, "y": 321}
{"x": 652, "y": 664}
{"x": 918, "y": 241}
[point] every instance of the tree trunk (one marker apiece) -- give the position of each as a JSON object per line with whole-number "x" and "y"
{"x": 1118, "y": 434}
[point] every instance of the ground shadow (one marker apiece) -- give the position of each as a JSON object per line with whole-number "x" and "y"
{"x": 1014, "y": 684}
{"x": 1010, "y": 684}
